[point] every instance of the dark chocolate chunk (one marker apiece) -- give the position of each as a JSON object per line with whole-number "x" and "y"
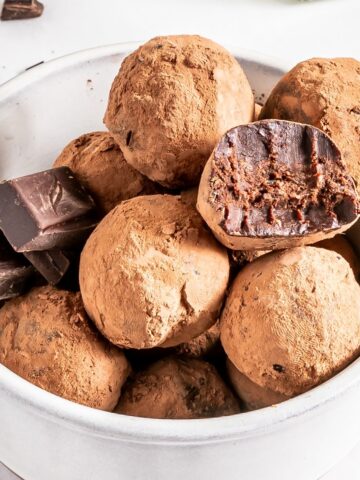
{"x": 46, "y": 210}
{"x": 21, "y": 9}
{"x": 52, "y": 264}
{"x": 280, "y": 179}
{"x": 14, "y": 271}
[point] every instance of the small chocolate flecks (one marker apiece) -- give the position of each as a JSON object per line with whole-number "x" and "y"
{"x": 278, "y": 368}
{"x": 21, "y": 9}
{"x": 128, "y": 138}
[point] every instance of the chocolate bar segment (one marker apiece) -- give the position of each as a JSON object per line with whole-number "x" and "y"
{"x": 21, "y": 9}
{"x": 15, "y": 271}
{"x": 51, "y": 264}
{"x": 46, "y": 210}
{"x": 276, "y": 180}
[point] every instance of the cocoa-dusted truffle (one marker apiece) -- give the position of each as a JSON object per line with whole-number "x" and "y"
{"x": 171, "y": 101}
{"x": 151, "y": 273}
{"x": 203, "y": 345}
{"x": 46, "y": 338}
{"x": 97, "y": 161}
{"x": 252, "y": 395}
{"x": 275, "y": 184}
{"x": 341, "y": 245}
{"x": 292, "y": 319}
{"x": 324, "y": 93}
{"x": 178, "y": 389}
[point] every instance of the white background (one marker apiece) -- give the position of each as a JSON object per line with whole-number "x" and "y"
{"x": 286, "y": 29}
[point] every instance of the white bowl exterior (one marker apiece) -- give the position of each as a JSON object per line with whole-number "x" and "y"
{"x": 44, "y": 437}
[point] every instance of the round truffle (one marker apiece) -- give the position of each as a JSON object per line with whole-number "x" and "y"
{"x": 171, "y": 101}
{"x": 292, "y": 319}
{"x": 342, "y": 246}
{"x": 46, "y": 338}
{"x": 178, "y": 389}
{"x": 252, "y": 395}
{"x": 97, "y": 161}
{"x": 151, "y": 273}
{"x": 324, "y": 93}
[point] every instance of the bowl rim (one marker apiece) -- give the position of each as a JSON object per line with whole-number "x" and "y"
{"x": 146, "y": 430}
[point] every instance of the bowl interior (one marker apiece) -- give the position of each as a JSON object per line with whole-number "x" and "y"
{"x": 40, "y": 112}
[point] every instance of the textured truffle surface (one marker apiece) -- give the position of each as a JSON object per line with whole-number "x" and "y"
{"x": 292, "y": 319}
{"x": 341, "y": 245}
{"x": 151, "y": 273}
{"x": 46, "y": 338}
{"x": 171, "y": 101}
{"x": 97, "y": 161}
{"x": 252, "y": 395}
{"x": 324, "y": 93}
{"x": 178, "y": 389}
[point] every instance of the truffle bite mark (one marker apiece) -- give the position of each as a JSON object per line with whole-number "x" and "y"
{"x": 275, "y": 184}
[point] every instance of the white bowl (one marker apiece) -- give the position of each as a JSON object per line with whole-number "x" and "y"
{"x": 43, "y": 437}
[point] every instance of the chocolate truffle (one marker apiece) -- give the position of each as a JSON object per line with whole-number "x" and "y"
{"x": 203, "y": 345}
{"x": 343, "y": 247}
{"x": 324, "y": 93}
{"x": 151, "y": 273}
{"x": 276, "y": 184}
{"x": 178, "y": 389}
{"x": 98, "y": 163}
{"x": 46, "y": 338}
{"x": 292, "y": 319}
{"x": 171, "y": 101}
{"x": 252, "y": 395}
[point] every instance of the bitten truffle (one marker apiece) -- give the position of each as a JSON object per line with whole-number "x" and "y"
{"x": 292, "y": 319}
{"x": 341, "y": 245}
{"x": 98, "y": 163}
{"x": 178, "y": 389}
{"x": 276, "y": 184}
{"x": 171, "y": 101}
{"x": 46, "y": 338}
{"x": 151, "y": 273}
{"x": 324, "y": 93}
{"x": 252, "y": 395}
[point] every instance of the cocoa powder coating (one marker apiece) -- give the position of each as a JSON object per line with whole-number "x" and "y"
{"x": 46, "y": 338}
{"x": 151, "y": 273}
{"x": 171, "y": 101}
{"x": 177, "y": 388}
{"x": 292, "y": 319}
{"x": 97, "y": 161}
{"x": 324, "y": 93}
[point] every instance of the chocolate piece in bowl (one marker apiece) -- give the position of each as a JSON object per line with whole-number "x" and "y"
{"x": 276, "y": 184}
{"x": 46, "y": 210}
{"x": 178, "y": 388}
{"x": 14, "y": 271}
{"x": 51, "y": 264}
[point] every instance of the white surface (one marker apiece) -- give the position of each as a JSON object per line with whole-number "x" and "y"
{"x": 44, "y": 436}
{"x": 283, "y": 28}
